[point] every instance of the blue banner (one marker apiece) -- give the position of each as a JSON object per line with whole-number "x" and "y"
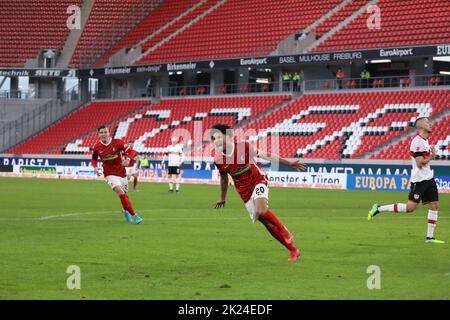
{"x": 383, "y": 177}
{"x": 389, "y": 182}
{"x": 313, "y": 168}
{"x": 442, "y": 183}
{"x": 378, "y": 182}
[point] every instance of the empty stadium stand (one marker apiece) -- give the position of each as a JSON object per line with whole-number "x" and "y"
{"x": 235, "y": 29}
{"x": 155, "y": 23}
{"x": 230, "y": 30}
{"x": 108, "y": 21}
{"x": 82, "y": 121}
{"x": 403, "y": 23}
{"x": 246, "y": 36}
{"x": 26, "y": 27}
{"x": 345, "y": 125}
{"x": 151, "y": 126}
{"x": 329, "y": 126}
{"x": 201, "y": 7}
{"x": 339, "y": 16}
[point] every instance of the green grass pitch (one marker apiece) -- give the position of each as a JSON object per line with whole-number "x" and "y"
{"x": 185, "y": 249}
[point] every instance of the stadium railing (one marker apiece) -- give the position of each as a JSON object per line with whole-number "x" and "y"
{"x": 378, "y": 82}
{"x": 185, "y": 91}
{"x": 14, "y": 94}
{"x": 67, "y": 95}
{"x": 236, "y": 88}
{"x": 113, "y": 95}
{"x": 34, "y": 121}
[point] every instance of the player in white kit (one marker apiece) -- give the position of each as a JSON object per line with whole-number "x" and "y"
{"x": 174, "y": 153}
{"x": 423, "y": 185}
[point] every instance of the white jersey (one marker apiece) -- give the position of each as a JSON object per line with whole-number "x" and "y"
{"x": 175, "y": 153}
{"x": 420, "y": 147}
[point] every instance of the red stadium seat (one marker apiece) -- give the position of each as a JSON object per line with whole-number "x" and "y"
{"x": 245, "y": 34}
{"x": 79, "y": 128}
{"x": 22, "y": 37}
{"x": 97, "y": 31}
{"x": 430, "y": 26}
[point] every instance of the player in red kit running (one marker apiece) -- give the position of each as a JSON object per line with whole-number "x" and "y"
{"x": 111, "y": 153}
{"x": 237, "y": 159}
{"x": 132, "y": 166}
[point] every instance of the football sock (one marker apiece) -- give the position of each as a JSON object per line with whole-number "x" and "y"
{"x": 170, "y": 185}
{"x": 126, "y": 204}
{"x": 270, "y": 216}
{"x": 276, "y": 228}
{"x": 432, "y": 219}
{"x": 135, "y": 182}
{"x": 396, "y": 207}
{"x": 177, "y": 183}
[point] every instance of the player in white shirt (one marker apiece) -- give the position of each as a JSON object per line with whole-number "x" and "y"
{"x": 423, "y": 185}
{"x": 175, "y": 155}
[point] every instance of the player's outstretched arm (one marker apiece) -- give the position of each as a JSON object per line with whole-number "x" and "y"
{"x": 274, "y": 158}
{"x": 223, "y": 190}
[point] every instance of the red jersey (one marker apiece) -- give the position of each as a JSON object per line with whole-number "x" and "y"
{"x": 241, "y": 165}
{"x": 111, "y": 156}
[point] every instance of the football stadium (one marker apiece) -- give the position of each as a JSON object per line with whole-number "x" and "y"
{"x": 139, "y": 140}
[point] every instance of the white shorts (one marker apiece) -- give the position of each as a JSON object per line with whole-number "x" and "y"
{"x": 131, "y": 170}
{"x": 115, "y": 181}
{"x": 260, "y": 191}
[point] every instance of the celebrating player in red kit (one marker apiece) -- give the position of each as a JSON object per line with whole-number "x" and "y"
{"x": 237, "y": 159}
{"x": 111, "y": 152}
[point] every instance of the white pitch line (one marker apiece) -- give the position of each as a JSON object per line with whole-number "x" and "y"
{"x": 184, "y": 218}
{"x": 71, "y": 214}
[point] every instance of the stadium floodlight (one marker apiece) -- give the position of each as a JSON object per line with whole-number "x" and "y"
{"x": 444, "y": 59}
{"x": 381, "y": 61}
{"x": 179, "y": 72}
{"x": 447, "y": 73}
{"x": 170, "y": 73}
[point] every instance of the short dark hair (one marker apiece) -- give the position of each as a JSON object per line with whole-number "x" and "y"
{"x": 100, "y": 128}
{"x": 223, "y": 128}
{"x": 418, "y": 119}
